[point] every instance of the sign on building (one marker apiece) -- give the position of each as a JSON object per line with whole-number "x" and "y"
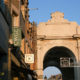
{"x": 16, "y": 36}
{"x": 29, "y": 58}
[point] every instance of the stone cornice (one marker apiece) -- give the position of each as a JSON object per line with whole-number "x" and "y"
{"x": 43, "y": 37}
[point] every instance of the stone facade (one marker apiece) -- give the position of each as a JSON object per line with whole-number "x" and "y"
{"x": 57, "y": 32}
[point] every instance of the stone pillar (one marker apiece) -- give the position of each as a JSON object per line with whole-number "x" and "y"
{"x": 77, "y": 69}
{"x": 40, "y": 74}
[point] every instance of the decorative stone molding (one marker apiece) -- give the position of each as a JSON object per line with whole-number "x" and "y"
{"x": 57, "y": 17}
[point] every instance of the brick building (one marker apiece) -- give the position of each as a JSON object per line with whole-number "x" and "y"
{"x": 17, "y": 38}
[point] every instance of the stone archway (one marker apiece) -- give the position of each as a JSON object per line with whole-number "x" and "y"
{"x": 52, "y": 58}
{"x": 64, "y": 37}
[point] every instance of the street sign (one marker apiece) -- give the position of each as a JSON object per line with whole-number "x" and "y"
{"x": 29, "y": 58}
{"x": 16, "y": 36}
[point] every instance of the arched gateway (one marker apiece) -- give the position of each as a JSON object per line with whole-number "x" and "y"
{"x": 60, "y": 57}
{"x": 58, "y": 44}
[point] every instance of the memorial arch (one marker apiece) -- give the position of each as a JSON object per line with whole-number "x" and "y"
{"x": 58, "y": 43}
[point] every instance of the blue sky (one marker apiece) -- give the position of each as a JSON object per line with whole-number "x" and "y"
{"x": 51, "y": 71}
{"x": 70, "y": 8}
